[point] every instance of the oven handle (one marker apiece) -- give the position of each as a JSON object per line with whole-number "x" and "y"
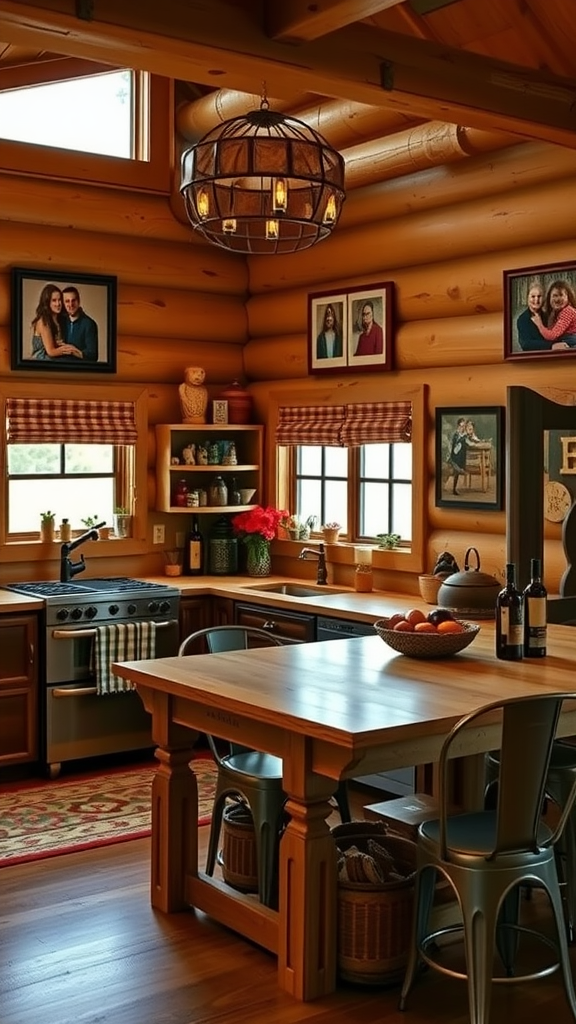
{"x": 78, "y": 634}
{"x": 76, "y": 691}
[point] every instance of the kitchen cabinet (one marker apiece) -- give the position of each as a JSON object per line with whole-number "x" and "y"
{"x": 290, "y": 627}
{"x": 195, "y": 613}
{"x": 18, "y": 689}
{"x": 171, "y": 467}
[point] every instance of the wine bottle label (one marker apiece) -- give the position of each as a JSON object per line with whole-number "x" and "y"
{"x": 515, "y": 635}
{"x": 195, "y": 554}
{"x": 536, "y": 611}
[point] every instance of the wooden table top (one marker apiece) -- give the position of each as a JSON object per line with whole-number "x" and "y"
{"x": 357, "y": 692}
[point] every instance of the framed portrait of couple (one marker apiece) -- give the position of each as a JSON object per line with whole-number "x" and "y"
{"x": 351, "y": 329}
{"x": 63, "y": 322}
{"x": 540, "y": 311}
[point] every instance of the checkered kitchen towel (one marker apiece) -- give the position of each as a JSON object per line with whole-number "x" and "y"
{"x": 121, "y": 641}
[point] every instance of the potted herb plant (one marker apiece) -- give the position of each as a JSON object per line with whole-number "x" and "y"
{"x": 388, "y": 540}
{"x": 47, "y": 520}
{"x": 122, "y": 521}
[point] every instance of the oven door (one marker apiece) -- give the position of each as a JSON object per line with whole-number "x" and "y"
{"x": 69, "y": 650}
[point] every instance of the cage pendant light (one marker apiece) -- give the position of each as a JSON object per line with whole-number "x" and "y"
{"x": 263, "y": 183}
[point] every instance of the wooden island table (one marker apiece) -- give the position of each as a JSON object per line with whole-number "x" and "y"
{"x": 330, "y": 710}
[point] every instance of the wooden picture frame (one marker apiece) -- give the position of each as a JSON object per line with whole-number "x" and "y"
{"x": 336, "y": 338}
{"x": 46, "y": 336}
{"x": 470, "y": 460}
{"x": 220, "y": 410}
{"x": 549, "y": 291}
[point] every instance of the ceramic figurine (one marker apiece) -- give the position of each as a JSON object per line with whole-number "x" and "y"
{"x": 201, "y": 456}
{"x": 189, "y": 455}
{"x": 193, "y": 395}
{"x": 230, "y": 458}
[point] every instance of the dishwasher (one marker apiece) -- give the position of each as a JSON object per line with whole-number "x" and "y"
{"x": 400, "y": 781}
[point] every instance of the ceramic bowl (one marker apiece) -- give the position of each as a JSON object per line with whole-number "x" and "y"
{"x": 427, "y": 645}
{"x": 247, "y": 493}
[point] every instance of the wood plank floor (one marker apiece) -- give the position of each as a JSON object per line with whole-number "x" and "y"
{"x": 80, "y": 944}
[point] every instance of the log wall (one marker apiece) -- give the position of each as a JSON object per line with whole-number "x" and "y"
{"x": 443, "y": 235}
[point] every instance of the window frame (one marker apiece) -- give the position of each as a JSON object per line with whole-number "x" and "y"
{"x": 153, "y": 120}
{"x": 280, "y": 463}
{"x": 32, "y": 550}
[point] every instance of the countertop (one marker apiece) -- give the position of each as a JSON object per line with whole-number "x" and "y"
{"x": 336, "y": 601}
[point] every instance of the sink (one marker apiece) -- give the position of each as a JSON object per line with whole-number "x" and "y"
{"x": 293, "y": 589}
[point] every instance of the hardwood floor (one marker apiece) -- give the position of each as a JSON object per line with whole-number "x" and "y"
{"x": 80, "y": 944}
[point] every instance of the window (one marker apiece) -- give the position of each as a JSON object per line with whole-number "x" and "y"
{"x": 76, "y": 481}
{"x": 103, "y": 468}
{"x": 97, "y": 114}
{"x": 373, "y": 480}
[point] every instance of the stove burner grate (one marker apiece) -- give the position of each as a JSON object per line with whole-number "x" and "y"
{"x": 114, "y": 585}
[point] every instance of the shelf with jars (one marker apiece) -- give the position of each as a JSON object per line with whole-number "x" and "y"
{"x": 208, "y": 467}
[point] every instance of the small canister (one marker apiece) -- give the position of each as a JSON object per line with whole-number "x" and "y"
{"x": 218, "y": 492}
{"x": 202, "y": 496}
{"x": 193, "y": 499}
{"x": 222, "y": 548}
{"x": 65, "y": 530}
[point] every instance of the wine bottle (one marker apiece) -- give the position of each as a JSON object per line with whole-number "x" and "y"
{"x": 509, "y": 619}
{"x": 194, "y": 553}
{"x": 535, "y": 596}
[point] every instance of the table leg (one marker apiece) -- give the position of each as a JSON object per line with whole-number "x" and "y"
{"x": 174, "y": 852}
{"x": 308, "y": 908}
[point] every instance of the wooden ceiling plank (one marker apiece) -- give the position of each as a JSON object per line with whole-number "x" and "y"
{"x": 299, "y": 21}
{"x": 206, "y": 45}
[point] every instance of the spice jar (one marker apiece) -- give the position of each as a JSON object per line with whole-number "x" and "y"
{"x": 218, "y": 494}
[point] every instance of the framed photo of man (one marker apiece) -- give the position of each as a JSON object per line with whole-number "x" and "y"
{"x": 327, "y": 332}
{"x": 63, "y": 321}
{"x": 540, "y": 311}
{"x": 370, "y": 320}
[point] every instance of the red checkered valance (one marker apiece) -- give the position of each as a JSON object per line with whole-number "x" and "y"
{"x": 376, "y": 423}
{"x": 345, "y": 425}
{"x": 310, "y": 424}
{"x": 59, "y": 421}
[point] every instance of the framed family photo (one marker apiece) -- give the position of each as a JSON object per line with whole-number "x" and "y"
{"x": 351, "y": 329}
{"x": 470, "y": 457}
{"x": 540, "y": 311}
{"x": 63, "y": 321}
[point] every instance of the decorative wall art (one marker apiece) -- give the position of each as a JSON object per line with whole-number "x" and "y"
{"x": 63, "y": 322}
{"x": 540, "y": 311}
{"x": 351, "y": 329}
{"x": 469, "y": 457}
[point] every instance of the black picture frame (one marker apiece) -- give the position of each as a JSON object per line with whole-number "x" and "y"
{"x": 347, "y": 306}
{"x": 522, "y": 336}
{"x": 479, "y": 484}
{"x": 93, "y": 334}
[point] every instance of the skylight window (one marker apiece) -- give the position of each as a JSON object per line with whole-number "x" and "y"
{"x": 94, "y": 114}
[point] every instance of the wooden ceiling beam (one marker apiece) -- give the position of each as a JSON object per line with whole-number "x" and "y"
{"x": 220, "y": 46}
{"x": 299, "y": 21}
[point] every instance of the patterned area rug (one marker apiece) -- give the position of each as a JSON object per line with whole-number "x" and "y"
{"x": 47, "y": 819}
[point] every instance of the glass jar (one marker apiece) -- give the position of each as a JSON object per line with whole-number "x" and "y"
{"x": 218, "y": 494}
{"x": 222, "y": 548}
{"x": 181, "y": 494}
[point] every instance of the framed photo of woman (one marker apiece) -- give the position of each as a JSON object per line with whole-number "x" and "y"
{"x": 327, "y": 332}
{"x": 540, "y": 311}
{"x": 469, "y": 457}
{"x": 63, "y": 322}
{"x": 370, "y": 327}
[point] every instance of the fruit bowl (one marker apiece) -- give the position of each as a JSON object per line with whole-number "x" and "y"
{"x": 427, "y": 645}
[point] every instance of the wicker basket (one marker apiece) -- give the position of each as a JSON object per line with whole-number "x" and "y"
{"x": 375, "y": 921}
{"x": 427, "y": 645}
{"x": 238, "y": 859}
{"x": 429, "y": 587}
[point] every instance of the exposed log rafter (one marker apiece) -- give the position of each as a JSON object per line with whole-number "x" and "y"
{"x": 298, "y": 21}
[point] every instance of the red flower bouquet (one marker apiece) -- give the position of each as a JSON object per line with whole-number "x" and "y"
{"x": 258, "y": 523}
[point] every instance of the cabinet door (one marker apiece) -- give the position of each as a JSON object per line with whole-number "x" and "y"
{"x": 18, "y": 689}
{"x": 290, "y": 627}
{"x": 195, "y": 613}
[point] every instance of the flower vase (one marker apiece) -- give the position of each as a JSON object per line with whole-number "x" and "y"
{"x": 258, "y": 561}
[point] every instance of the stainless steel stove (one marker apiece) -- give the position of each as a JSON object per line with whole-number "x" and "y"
{"x": 76, "y": 722}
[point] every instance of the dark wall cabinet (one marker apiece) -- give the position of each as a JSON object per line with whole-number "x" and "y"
{"x": 18, "y": 689}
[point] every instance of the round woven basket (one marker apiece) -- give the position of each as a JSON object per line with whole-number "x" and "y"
{"x": 427, "y": 645}
{"x": 238, "y": 857}
{"x": 375, "y": 921}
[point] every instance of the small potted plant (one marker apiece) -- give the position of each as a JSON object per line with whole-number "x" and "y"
{"x": 90, "y": 522}
{"x": 330, "y": 532}
{"x": 122, "y": 521}
{"x": 388, "y": 540}
{"x": 298, "y": 528}
{"x": 47, "y": 520}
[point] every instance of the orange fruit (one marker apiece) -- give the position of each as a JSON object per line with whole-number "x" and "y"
{"x": 404, "y": 626}
{"x": 394, "y": 619}
{"x": 414, "y": 616}
{"x": 449, "y": 626}
{"x": 425, "y": 627}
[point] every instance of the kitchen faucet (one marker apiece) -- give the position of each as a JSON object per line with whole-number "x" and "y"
{"x": 68, "y": 568}
{"x": 320, "y": 554}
